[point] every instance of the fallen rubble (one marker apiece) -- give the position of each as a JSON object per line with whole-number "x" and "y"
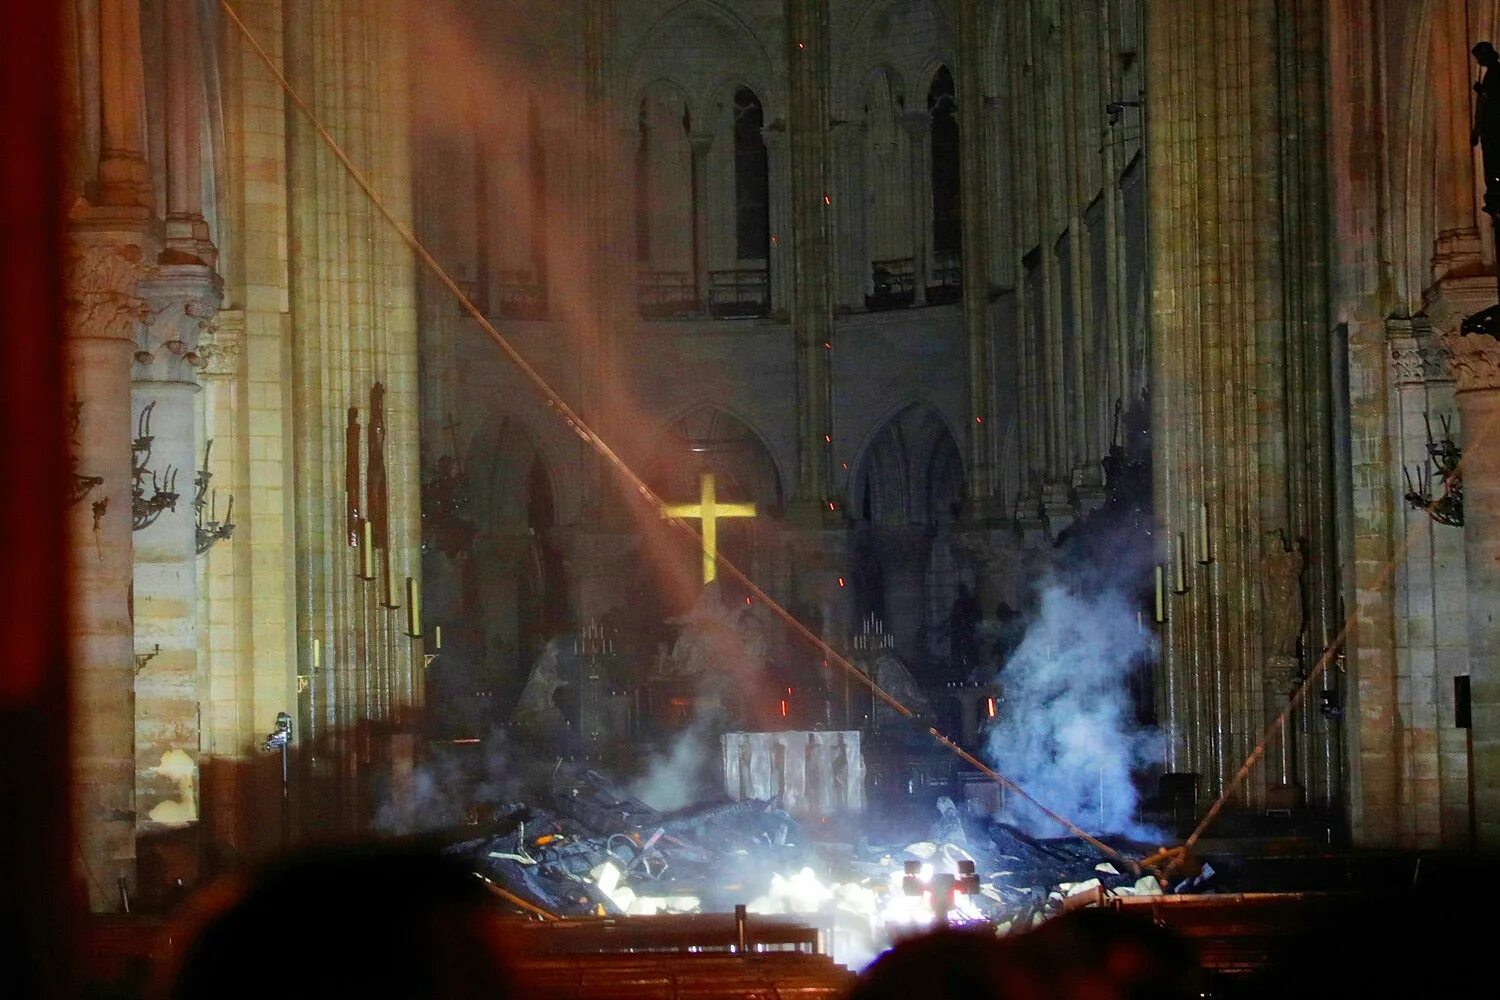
{"x": 592, "y": 849}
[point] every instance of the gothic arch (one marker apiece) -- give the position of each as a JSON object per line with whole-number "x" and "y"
{"x": 924, "y": 40}
{"x": 697, "y": 44}
{"x": 738, "y": 450}
{"x": 910, "y": 469}
{"x": 499, "y": 457}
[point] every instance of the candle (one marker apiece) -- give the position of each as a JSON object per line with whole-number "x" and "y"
{"x": 367, "y": 551}
{"x": 317, "y": 653}
{"x": 1161, "y": 600}
{"x": 413, "y": 608}
{"x": 437, "y": 637}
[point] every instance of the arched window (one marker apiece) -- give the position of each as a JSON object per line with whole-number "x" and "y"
{"x": 752, "y": 231}
{"x": 946, "y": 227}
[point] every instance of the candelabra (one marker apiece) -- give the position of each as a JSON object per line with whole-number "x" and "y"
{"x": 1443, "y": 456}
{"x": 213, "y": 530}
{"x": 145, "y": 510}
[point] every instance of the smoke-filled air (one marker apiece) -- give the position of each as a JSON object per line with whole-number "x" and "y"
{"x": 1066, "y": 731}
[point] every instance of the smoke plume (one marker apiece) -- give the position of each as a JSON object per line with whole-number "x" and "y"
{"x": 1066, "y": 731}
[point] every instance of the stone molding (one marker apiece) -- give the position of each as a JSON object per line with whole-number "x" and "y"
{"x": 1474, "y": 360}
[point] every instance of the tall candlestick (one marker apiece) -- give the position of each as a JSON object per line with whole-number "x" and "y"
{"x": 390, "y": 579}
{"x": 413, "y": 608}
{"x": 1161, "y": 597}
{"x": 367, "y": 551}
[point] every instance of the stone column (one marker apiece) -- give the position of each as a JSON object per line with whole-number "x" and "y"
{"x": 1475, "y": 360}
{"x": 1457, "y": 251}
{"x": 1241, "y": 356}
{"x": 973, "y": 117}
{"x": 124, "y": 177}
{"x": 852, "y": 247}
{"x": 183, "y": 298}
{"x": 918, "y": 125}
{"x": 779, "y": 253}
{"x": 700, "y": 142}
{"x": 186, "y": 230}
{"x": 103, "y": 309}
{"x": 812, "y": 257}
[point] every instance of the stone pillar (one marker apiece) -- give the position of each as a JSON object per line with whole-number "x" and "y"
{"x": 779, "y": 262}
{"x": 103, "y": 309}
{"x": 1458, "y": 248}
{"x": 918, "y": 125}
{"x": 183, "y": 298}
{"x": 812, "y": 277}
{"x": 700, "y": 142}
{"x": 1475, "y": 360}
{"x": 852, "y": 249}
{"x": 1241, "y": 402}
{"x": 973, "y": 117}
{"x": 124, "y": 177}
{"x": 186, "y": 230}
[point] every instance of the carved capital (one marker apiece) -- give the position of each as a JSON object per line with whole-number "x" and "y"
{"x": 101, "y": 298}
{"x": 184, "y": 300}
{"x": 221, "y": 346}
{"x": 1474, "y": 360}
{"x": 1415, "y": 359}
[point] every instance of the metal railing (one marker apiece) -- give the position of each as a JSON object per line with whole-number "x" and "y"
{"x": 894, "y": 284}
{"x": 665, "y": 294}
{"x": 739, "y": 292}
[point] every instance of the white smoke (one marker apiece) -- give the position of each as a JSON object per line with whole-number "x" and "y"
{"x": 443, "y": 789}
{"x": 1066, "y": 731}
{"x": 676, "y": 779}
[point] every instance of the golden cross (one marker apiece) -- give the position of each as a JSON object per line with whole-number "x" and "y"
{"x": 708, "y": 510}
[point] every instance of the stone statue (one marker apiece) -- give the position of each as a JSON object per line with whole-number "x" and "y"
{"x": 352, "y": 514}
{"x": 1486, "y": 130}
{"x": 377, "y": 497}
{"x": 1281, "y": 590}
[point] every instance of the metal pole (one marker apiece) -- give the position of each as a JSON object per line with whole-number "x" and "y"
{"x": 286, "y": 802}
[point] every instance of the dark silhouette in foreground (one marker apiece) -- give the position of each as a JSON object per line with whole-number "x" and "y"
{"x": 354, "y": 922}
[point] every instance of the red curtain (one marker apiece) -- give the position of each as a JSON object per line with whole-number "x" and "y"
{"x": 37, "y": 898}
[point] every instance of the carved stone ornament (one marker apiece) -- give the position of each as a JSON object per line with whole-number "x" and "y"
{"x": 1474, "y": 360}
{"x": 101, "y": 297}
{"x": 185, "y": 303}
{"x": 221, "y": 344}
{"x": 1417, "y": 361}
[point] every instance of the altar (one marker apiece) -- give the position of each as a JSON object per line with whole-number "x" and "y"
{"x": 814, "y": 773}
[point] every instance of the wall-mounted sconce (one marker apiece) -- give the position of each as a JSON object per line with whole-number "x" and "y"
{"x": 212, "y": 530}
